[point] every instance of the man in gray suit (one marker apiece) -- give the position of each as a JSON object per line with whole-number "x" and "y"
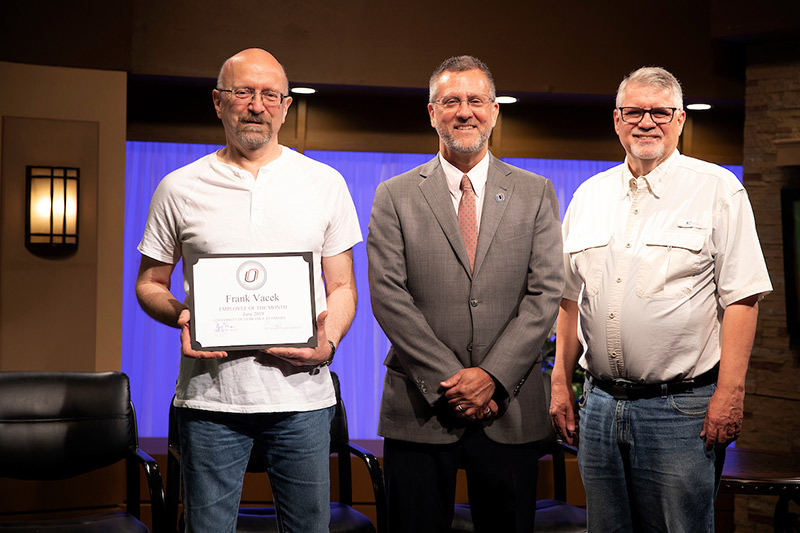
{"x": 465, "y": 278}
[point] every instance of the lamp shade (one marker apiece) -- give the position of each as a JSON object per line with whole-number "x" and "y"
{"x": 51, "y": 221}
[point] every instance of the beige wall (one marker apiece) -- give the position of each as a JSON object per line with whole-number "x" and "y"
{"x": 772, "y": 401}
{"x": 63, "y": 314}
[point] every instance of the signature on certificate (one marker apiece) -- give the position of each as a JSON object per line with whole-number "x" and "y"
{"x": 222, "y": 327}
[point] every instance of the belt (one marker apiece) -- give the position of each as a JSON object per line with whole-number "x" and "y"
{"x": 628, "y": 390}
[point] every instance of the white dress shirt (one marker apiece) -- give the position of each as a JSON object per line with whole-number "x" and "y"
{"x": 477, "y": 175}
{"x": 653, "y": 261}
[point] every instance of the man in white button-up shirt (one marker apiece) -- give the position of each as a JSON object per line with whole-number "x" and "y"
{"x": 664, "y": 271}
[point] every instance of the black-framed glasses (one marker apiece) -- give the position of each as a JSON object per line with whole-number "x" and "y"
{"x": 475, "y": 101}
{"x": 659, "y": 115}
{"x": 247, "y": 95}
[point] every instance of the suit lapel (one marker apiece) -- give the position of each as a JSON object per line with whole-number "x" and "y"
{"x": 434, "y": 189}
{"x": 497, "y": 194}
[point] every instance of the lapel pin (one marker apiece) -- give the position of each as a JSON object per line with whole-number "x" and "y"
{"x": 500, "y": 197}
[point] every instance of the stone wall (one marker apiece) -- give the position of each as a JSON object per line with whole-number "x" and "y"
{"x": 772, "y": 404}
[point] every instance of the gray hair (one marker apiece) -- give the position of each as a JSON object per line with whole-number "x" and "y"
{"x": 653, "y": 77}
{"x": 460, "y": 64}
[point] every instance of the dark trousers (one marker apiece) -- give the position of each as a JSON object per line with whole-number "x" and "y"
{"x": 421, "y": 484}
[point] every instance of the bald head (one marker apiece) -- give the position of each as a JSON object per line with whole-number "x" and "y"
{"x": 251, "y": 58}
{"x": 252, "y": 124}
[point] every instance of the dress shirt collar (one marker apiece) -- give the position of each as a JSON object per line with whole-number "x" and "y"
{"x": 477, "y": 175}
{"x": 656, "y": 180}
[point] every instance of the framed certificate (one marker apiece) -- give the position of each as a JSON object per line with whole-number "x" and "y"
{"x": 252, "y": 301}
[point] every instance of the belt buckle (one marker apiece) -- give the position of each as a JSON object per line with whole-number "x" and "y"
{"x": 683, "y": 386}
{"x": 619, "y": 390}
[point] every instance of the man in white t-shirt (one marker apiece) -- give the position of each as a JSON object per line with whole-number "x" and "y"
{"x": 253, "y": 196}
{"x": 664, "y": 272}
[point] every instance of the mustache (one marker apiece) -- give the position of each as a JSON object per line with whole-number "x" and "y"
{"x": 252, "y": 118}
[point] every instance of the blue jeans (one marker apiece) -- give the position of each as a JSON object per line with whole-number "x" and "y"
{"x": 643, "y": 463}
{"x": 215, "y": 449}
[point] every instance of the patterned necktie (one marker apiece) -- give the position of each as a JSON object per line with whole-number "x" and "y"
{"x": 467, "y": 219}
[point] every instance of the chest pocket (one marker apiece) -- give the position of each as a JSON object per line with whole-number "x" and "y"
{"x": 670, "y": 261}
{"x": 588, "y": 258}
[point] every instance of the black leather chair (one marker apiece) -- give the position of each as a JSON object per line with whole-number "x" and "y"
{"x": 554, "y": 515}
{"x": 57, "y": 425}
{"x": 344, "y": 518}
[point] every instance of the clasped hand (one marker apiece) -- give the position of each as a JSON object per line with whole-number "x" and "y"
{"x": 469, "y": 393}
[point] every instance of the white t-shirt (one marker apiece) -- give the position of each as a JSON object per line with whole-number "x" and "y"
{"x": 653, "y": 261}
{"x": 296, "y": 204}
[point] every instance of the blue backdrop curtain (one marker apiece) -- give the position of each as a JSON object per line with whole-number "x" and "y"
{"x": 150, "y": 350}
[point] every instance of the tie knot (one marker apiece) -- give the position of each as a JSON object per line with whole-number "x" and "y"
{"x": 466, "y": 185}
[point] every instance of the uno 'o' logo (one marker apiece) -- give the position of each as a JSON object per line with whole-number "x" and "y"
{"x": 251, "y": 275}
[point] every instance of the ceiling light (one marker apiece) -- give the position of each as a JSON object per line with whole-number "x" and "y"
{"x": 698, "y": 107}
{"x": 303, "y": 90}
{"x": 505, "y": 99}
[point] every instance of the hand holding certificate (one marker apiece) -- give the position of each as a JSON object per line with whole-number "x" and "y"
{"x": 255, "y": 301}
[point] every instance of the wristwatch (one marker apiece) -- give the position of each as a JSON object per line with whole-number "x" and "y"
{"x": 315, "y": 370}
{"x": 330, "y": 357}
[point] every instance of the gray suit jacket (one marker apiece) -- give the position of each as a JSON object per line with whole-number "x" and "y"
{"x": 441, "y": 318}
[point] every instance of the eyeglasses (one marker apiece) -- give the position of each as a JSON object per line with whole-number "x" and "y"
{"x": 247, "y": 95}
{"x": 451, "y": 103}
{"x": 659, "y": 115}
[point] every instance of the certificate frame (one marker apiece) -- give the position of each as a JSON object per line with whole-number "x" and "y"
{"x": 225, "y": 304}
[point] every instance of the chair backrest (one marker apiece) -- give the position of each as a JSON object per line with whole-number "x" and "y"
{"x": 55, "y": 425}
{"x": 340, "y": 436}
{"x": 340, "y": 440}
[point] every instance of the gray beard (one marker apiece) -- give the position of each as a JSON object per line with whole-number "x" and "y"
{"x": 647, "y": 153}
{"x": 252, "y": 140}
{"x": 459, "y": 147}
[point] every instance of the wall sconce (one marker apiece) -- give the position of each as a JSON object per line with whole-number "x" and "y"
{"x": 51, "y": 204}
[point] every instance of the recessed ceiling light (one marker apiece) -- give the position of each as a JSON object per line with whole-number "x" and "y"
{"x": 698, "y": 107}
{"x": 505, "y": 99}
{"x": 303, "y": 90}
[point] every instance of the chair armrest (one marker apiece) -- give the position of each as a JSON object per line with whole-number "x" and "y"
{"x": 569, "y": 448}
{"x": 172, "y": 490}
{"x": 155, "y": 486}
{"x": 174, "y": 451}
{"x": 378, "y": 487}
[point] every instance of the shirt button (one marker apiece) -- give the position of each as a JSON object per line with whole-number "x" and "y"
{"x": 613, "y": 355}
{"x": 473, "y": 302}
{"x": 611, "y": 315}
{"x": 619, "y": 280}
{"x": 627, "y": 245}
{"x": 635, "y": 211}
